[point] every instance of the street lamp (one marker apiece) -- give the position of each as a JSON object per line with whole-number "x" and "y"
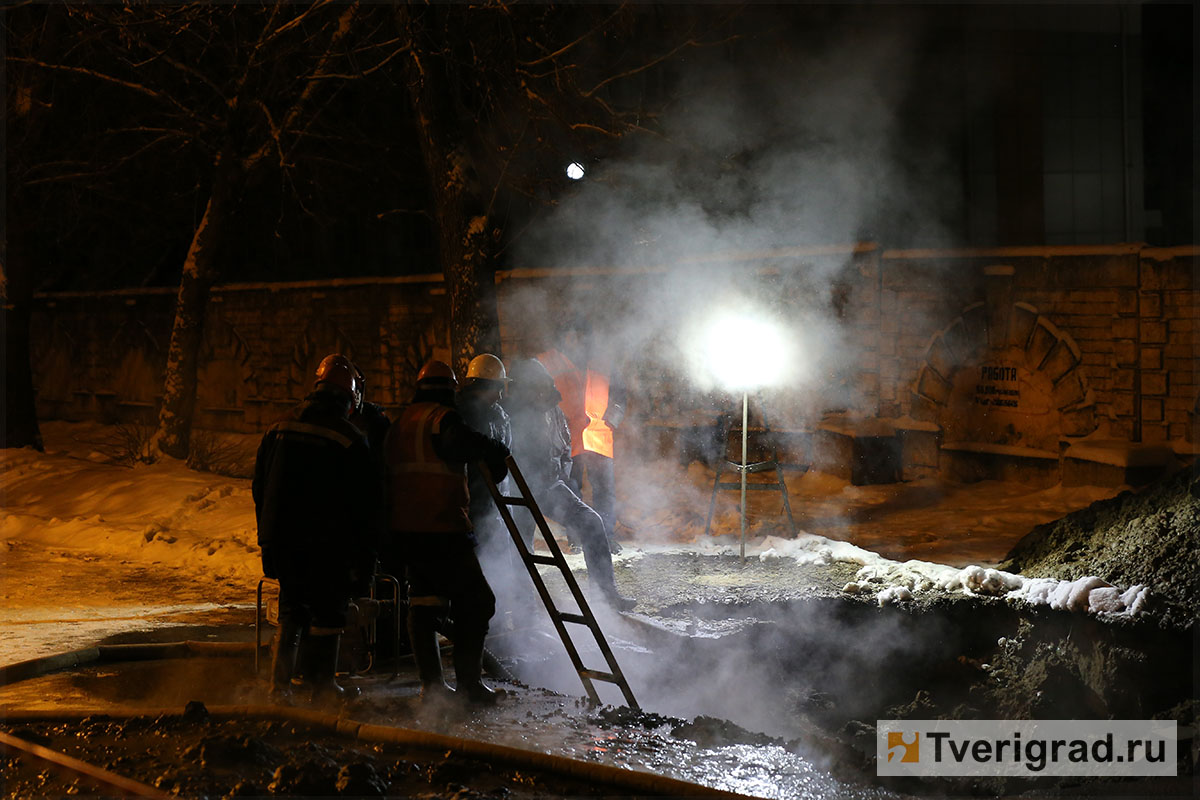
{"x": 742, "y": 349}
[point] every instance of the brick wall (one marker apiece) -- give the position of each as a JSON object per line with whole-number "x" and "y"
{"x": 1111, "y": 330}
{"x": 101, "y": 355}
{"x": 1129, "y": 310}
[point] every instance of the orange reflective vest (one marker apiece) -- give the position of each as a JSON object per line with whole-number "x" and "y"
{"x": 585, "y": 402}
{"x": 427, "y": 494}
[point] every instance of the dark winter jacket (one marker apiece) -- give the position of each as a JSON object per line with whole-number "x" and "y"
{"x": 541, "y": 437}
{"x": 491, "y": 420}
{"x": 373, "y": 421}
{"x": 457, "y": 445}
{"x": 317, "y": 492}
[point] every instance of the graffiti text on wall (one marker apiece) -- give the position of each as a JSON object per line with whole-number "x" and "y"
{"x": 998, "y": 387}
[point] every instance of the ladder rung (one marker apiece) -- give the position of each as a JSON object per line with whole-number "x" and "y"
{"x": 597, "y": 675}
{"x": 758, "y": 487}
{"x": 548, "y": 560}
{"x": 578, "y": 619}
{"x": 514, "y": 501}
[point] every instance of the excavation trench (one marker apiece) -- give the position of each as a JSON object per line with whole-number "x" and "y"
{"x": 759, "y": 692}
{"x": 815, "y": 674}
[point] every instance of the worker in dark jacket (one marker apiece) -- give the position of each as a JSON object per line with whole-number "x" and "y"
{"x": 594, "y": 398}
{"x": 317, "y": 496}
{"x": 372, "y": 420}
{"x": 368, "y": 417}
{"x": 479, "y": 403}
{"x": 542, "y": 449}
{"x": 427, "y": 450}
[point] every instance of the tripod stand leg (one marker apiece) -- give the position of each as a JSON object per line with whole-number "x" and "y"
{"x": 787, "y": 506}
{"x": 712, "y": 503}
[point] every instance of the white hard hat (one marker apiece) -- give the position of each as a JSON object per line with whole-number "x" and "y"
{"x": 486, "y": 366}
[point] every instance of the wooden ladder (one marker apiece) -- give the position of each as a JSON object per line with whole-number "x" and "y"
{"x": 585, "y": 616}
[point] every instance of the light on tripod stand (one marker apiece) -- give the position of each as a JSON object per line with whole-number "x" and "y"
{"x": 743, "y": 351}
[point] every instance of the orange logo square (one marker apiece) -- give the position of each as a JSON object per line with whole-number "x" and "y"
{"x": 911, "y": 750}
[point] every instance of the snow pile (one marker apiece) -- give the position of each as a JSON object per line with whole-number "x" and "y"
{"x": 1086, "y": 594}
{"x": 810, "y": 549}
{"x": 899, "y": 582}
{"x": 894, "y": 594}
{"x": 896, "y": 582}
{"x": 978, "y": 580}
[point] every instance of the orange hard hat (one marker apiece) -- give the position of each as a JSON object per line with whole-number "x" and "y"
{"x": 337, "y": 370}
{"x": 437, "y": 374}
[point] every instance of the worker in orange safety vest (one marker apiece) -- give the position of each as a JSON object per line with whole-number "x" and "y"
{"x": 427, "y": 450}
{"x": 594, "y": 404}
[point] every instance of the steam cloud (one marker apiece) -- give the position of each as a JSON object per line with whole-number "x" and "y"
{"x": 799, "y": 150}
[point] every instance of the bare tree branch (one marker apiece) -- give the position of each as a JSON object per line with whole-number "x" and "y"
{"x": 296, "y": 21}
{"x": 571, "y": 45}
{"x": 113, "y": 167}
{"x": 339, "y": 33}
{"x": 361, "y": 73}
{"x": 417, "y": 212}
{"x": 136, "y": 87}
{"x": 645, "y": 66}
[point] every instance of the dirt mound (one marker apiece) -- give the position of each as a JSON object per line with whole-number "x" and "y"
{"x": 1151, "y": 537}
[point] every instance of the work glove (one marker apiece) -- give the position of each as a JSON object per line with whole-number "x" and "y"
{"x": 614, "y": 414}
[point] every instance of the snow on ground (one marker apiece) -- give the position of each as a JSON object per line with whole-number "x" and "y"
{"x": 894, "y": 581}
{"x": 885, "y": 523}
{"x": 186, "y": 540}
{"x": 161, "y": 513}
{"x": 902, "y": 581}
{"x": 956, "y": 524}
{"x": 91, "y": 547}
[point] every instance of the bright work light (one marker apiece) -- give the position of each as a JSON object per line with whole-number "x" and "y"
{"x": 743, "y": 351}
{"x": 575, "y": 170}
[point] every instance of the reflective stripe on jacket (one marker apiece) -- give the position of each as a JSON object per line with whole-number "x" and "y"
{"x": 597, "y": 437}
{"x": 585, "y": 402}
{"x": 427, "y": 493}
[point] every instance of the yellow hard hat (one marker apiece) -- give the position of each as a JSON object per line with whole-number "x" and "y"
{"x": 487, "y": 367}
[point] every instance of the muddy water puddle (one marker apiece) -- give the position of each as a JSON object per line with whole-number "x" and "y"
{"x": 712, "y": 753}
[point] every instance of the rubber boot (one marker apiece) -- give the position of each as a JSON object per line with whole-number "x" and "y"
{"x": 422, "y": 634}
{"x": 319, "y": 659}
{"x": 615, "y": 600}
{"x": 283, "y": 660}
{"x": 468, "y": 669}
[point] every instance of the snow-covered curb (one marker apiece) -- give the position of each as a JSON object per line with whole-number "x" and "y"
{"x": 894, "y": 581}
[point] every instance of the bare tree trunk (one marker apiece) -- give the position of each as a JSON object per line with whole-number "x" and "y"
{"x": 200, "y": 272}
{"x": 464, "y": 237}
{"x": 470, "y": 284}
{"x": 465, "y": 249}
{"x": 20, "y": 410}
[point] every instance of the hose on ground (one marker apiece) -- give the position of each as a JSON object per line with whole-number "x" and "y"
{"x": 626, "y": 780}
